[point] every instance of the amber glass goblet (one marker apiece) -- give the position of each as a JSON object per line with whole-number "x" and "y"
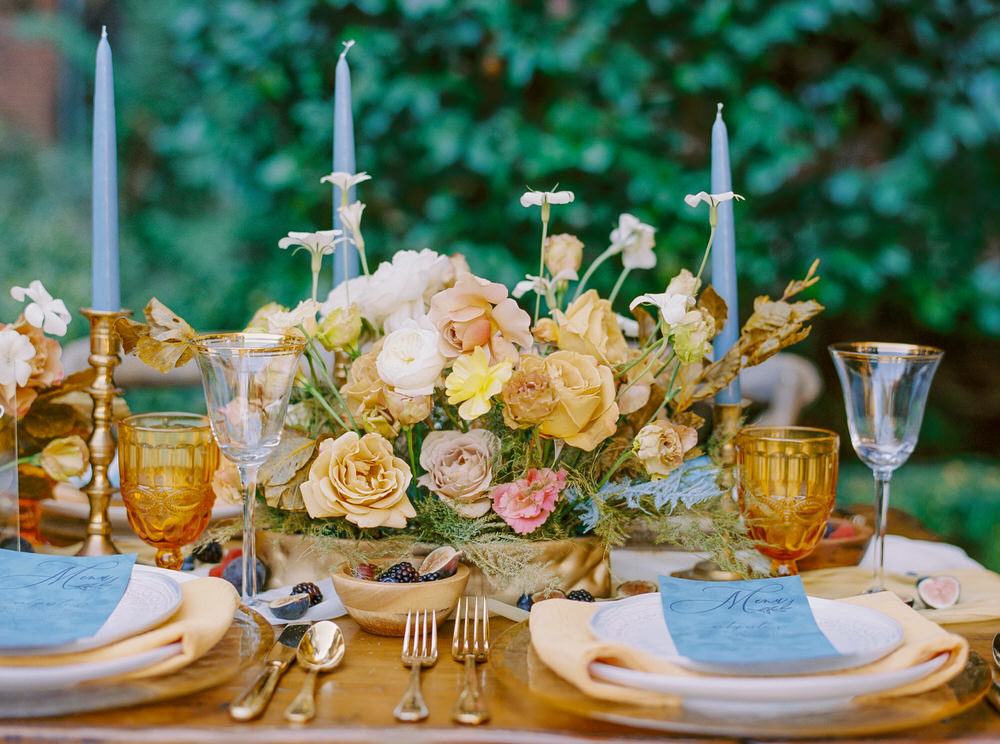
{"x": 167, "y": 461}
{"x": 787, "y": 482}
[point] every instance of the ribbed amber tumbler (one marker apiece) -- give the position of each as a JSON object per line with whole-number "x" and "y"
{"x": 166, "y": 462}
{"x": 787, "y": 483}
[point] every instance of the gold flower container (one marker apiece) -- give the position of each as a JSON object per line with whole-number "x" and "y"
{"x": 381, "y": 608}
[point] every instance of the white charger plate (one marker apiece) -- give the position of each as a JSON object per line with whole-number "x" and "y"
{"x": 859, "y": 634}
{"x": 767, "y": 697}
{"x": 63, "y": 676}
{"x": 151, "y": 597}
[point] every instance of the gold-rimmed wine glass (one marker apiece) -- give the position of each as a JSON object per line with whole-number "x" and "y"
{"x": 786, "y": 479}
{"x": 885, "y": 390}
{"x": 167, "y": 461}
{"x": 247, "y": 379}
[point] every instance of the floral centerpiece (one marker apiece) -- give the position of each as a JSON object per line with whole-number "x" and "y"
{"x": 44, "y": 416}
{"x": 435, "y": 406}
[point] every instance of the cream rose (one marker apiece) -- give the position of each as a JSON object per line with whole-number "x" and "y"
{"x": 563, "y": 252}
{"x": 585, "y": 413}
{"x": 361, "y": 480}
{"x": 590, "y": 326}
{"x": 459, "y": 468}
{"x": 661, "y": 446}
{"x": 410, "y": 360}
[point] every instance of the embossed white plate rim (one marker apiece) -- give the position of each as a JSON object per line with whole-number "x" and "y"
{"x": 630, "y": 622}
{"x": 64, "y": 676}
{"x": 124, "y": 622}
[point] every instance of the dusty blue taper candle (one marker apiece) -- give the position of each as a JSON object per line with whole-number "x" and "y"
{"x": 343, "y": 160}
{"x": 724, "y": 253}
{"x": 105, "y": 291}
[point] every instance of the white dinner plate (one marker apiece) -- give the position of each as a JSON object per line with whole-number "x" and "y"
{"x": 859, "y": 634}
{"x": 150, "y": 598}
{"x": 63, "y": 676}
{"x": 766, "y": 696}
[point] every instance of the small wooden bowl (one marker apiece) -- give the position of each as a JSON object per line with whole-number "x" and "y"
{"x": 845, "y": 551}
{"x": 381, "y": 608}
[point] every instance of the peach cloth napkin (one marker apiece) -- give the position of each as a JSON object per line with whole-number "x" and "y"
{"x": 204, "y": 616}
{"x": 560, "y": 635}
{"x": 979, "y": 599}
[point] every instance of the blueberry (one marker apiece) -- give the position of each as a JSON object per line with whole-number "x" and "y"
{"x": 188, "y": 564}
{"x": 524, "y": 602}
{"x": 10, "y": 543}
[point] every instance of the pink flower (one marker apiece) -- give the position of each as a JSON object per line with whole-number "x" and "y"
{"x": 526, "y": 503}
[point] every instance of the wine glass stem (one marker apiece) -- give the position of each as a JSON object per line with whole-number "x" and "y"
{"x": 881, "y": 518}
{"x": 248, "y": 475}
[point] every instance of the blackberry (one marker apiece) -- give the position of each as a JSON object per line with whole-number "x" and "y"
{"x": 307, "y": 587}
{"x": 209, "y": 552}
{"x": 524, "y": 602}
{"x": 580, "y": 595}
{"x": 400, "y": 573}
{"x": 433, "y": 576}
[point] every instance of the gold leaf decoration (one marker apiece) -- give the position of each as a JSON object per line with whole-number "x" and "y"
{"x": 714, "y": 305}
{"x": 286, "y": 469}
{"x": 163, "y": 342}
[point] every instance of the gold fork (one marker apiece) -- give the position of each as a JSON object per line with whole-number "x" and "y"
{"x": 471, "y": 707}
{"x": 417, "y": 654}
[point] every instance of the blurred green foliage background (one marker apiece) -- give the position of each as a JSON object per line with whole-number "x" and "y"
{"x": 864, "y": 132}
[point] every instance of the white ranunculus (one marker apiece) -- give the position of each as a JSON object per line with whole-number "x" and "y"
{"x": 410, "y": 361}
{"x": 355, "y": 290}
{"x": 43, "y": 311}
{"x": 16, "y": 351}
{"x": 402, "y": 288}
{"x": 537, "y": 198}
{"x": 635, "y": 240}
{"x": 344, "y": 181}
{"x": 712, "y": 200}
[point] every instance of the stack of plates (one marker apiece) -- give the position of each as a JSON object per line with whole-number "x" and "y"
{"x": 151, "y": 598}
{"x": 860, "y": 635}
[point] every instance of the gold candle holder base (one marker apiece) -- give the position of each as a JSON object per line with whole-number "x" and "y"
{"x": 105, "y": 346}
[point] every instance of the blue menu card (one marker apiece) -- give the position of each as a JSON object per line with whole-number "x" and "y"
{"x": 46, "y": 600}
{"x": 741, "y": 622}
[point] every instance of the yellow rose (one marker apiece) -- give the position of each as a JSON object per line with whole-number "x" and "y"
{"x": 366, "y": 396}
{"x": 546, "y": 331}
{"x": 585, "y": 413}
{"x": 361, "y": 480}
{"x": 340, "y": 328}
{"x": 661, "y": 446}
{"x": 589, "y": 326}
{"x": 529, "y": 396}
{"x": 65, "y": 458}
{"x": 563, "y": 252}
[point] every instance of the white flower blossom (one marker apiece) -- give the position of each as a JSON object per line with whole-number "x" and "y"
{"x": 542, "y": 286}
{"x": 538, "y": 198}
{"x": 712, "y": 200}
{"x": 285, "y": 322}
{"x": 675, "y": 302}
{"x": 635, "y": 240}
{"x": 16, "y": 351}
{"x": 410, "y": 360}
{"x": 628, "y": 326}
{"x": 43, "y": 311}
{"x": 350, "y": 218}
{"x": 321, "y": 243}
{"x": 344, "y": 181}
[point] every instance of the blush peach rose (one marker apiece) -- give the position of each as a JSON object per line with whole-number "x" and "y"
{"x": 361, "y": 480}
{"x": 661, "y": 446}
{"x": 459, "y": 468}
{"x": 478, "y": 313}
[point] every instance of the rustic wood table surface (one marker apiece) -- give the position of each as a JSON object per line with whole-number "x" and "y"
{"x": 355, "y": 704}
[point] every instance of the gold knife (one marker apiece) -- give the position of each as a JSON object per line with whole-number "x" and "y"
{"x": 253, "y": 700}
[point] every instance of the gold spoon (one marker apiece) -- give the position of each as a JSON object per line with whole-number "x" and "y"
{"x": 320, "y": 650}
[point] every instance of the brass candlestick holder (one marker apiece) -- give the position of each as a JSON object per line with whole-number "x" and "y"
{"x": 727, "y": 418}
{"x": 104, "y": 357}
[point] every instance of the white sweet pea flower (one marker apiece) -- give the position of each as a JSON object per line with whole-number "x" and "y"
{"x": 635, "y": 240}
{"x": 320, "y": 243}
{"x": 538, "y": 198}
{"x": 410, "y": 360}
{"x": 350, "y": 218}
{"x": 628, "y": 326}
{"x": 676, "y": 301}
{"x": 712, "y": 200}
{"x": 16, "y": 351}
{"x": 43, "y": 311}
{"x": 344, "y": 181}
{"x": 291, "y": 322}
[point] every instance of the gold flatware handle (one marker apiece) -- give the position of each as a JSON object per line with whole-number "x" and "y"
{"x": 253, "y": 700}
{"x": 412, "y": 706}
{"x": 303, "y": 708}
{"x": 470, "y": 708}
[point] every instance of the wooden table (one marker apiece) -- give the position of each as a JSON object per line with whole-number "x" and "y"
{"x": 355, "y": 704}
